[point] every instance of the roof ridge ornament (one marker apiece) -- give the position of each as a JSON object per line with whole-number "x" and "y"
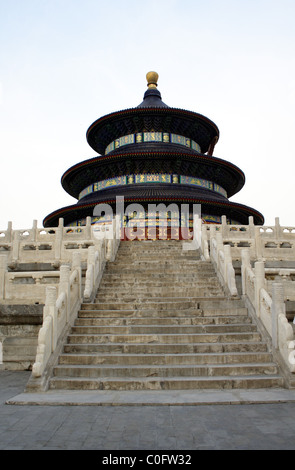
{"x": 152, "y": 79}
{"x": 152, "y": 97}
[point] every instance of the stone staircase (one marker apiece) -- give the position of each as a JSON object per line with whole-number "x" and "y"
{"x": 161, "y": 321}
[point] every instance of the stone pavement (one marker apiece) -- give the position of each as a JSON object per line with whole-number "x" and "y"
{"x": 222, "y": 420}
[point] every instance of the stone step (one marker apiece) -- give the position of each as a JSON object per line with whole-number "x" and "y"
{"x": 162, "y": 329}
{"x": 131, "y": 295}
{"x": 220, "y": 303}
{"x": 188, "y": 271}
{"x": 152, "y": 321}
{"x": 159, "y": 256}
{"x": 167, "y": 359}
{"x": 166, "y": 383}
{"x": 159, "y": 245}
{"x": 164, "y": 338}
{"x": 171, "y": 266}
{"x": 145, "y": 297}
{"x": 146, "y": 305}
{"x": 161, "y": 321}
{"x": 157, "y": 279}
{"x": 172, "y": 250}
{"x": 139, "y": 287}
{"x": 216, "y": 303}
{"x": 157, "y": 293}
{"x": 191, "y": 279}
{"x": 118, "y": 313}
{"x": 154, "y": 256}
{"x": 155, "y": 303}
{"x": 156, "y": 270}
{"x": 156, "y": 348}
{"x": 94, "y": 311}
{"x": 153, "y": 245}
{"x": 183, "y": 370}
{"x": 183, "y": 290}
{"x": 158, "y": 260}
{"x": 151, "y": 255}
{"x": 121, "y": 286}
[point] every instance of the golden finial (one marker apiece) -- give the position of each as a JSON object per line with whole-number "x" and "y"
{"x": 152, "y": 79}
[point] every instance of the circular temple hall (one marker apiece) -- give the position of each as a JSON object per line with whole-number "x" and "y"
{"x": 153, "y": 158}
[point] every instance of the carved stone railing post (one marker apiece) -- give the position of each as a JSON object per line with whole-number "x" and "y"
{"x": 277, "y": 308}
{"x": 197, "y": 240}
{"x": 90, "y": 274}
{"x": 258, "y": 242}
{"x": 224, "y": 226}
{"x": 245, "y": 265}
{"x": 118, "y": 228}
{"x": 9, "y": 232}
{"x": 3, "y": 270}
{"x": 251, "y": 227}
{"x": 58, "y": 239}
{"x": 50, "y": 310}
{"x": 64, "y": 286}
{"x": 1, "y": 356}
{"x": 77, "y": 265}
{"x": 47, "y": 337}
{"x": 259, "y": 284}
{"x": 34, "y": 231}
{"x": 15, "y": 247}
{"x": 88, "y": 229}
{"x": 219, "y": 248}
{"x": 205, "y": 244}
{"x": 229, "y": 274}
{"x": 212, "y": 233}
{"x": 277, "y": 228}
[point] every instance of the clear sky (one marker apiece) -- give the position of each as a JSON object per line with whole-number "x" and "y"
{"x": 65, "y": 63}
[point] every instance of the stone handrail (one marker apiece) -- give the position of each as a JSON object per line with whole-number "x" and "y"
{"x": 46, "y": 245}
{"x": 286, "y": 276}
{"x": 216, "y": 251}
{"x": 24, "y": 287}
{"x": 264, "y": 242}
{"x": 55, "y": 245}
{"x": 63, "y": 303}
{"x": 61, "y": 308}
{"x": 194, "y": 243}
{"x": 205, "y": 249}
{"x": 91, "y": 274}
{"x": 108, "y": 241}
{"x": 269, "y": 309}
{"x": 95, "y": 267}
{"x": 220, "y": 255}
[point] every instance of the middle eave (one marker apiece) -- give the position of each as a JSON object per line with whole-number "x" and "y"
{"x": 222, "y": 172}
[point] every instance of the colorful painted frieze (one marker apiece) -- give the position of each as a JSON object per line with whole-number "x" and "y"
{"x": 152, "y": 137}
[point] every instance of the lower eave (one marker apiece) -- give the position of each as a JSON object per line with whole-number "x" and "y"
{"x": 76, "y": 212}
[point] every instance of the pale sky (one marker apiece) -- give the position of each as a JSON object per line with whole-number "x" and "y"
{"x": 65, "y": 63}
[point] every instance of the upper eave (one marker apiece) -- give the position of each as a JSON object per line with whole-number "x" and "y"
{"x": 179, "y": 121}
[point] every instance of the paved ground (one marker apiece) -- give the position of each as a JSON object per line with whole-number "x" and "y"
{"x": 154, "y": 428}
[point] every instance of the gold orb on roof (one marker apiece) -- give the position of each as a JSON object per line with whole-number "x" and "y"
{"x": 152, "y": 79}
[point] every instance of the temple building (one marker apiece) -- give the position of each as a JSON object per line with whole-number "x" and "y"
{"x": 149, "y": 155}
{"x": 85, "y": 309}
